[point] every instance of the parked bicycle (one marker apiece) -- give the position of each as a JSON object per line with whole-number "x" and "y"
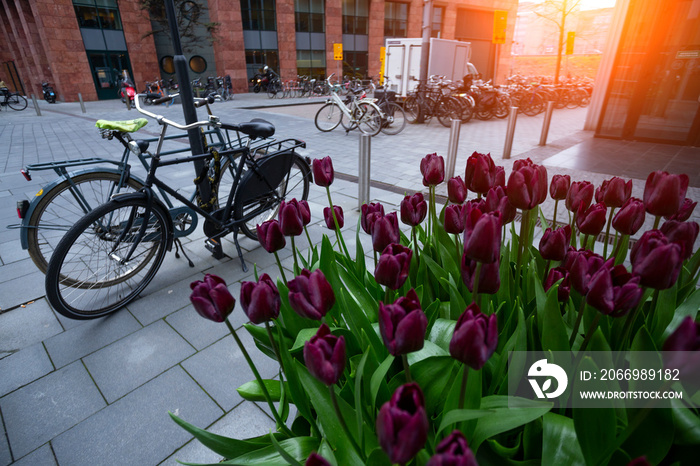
{"x": 393, "y": 116}
{"x": 49, "y": 94}
{"x": 431, "y": 99}
{"x": 111, "y": 254}
{"x": 363, "y": 114}
{"x": 14, "y": 100}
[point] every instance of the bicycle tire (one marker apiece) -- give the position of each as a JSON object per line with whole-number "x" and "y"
{"x": 532, "y": 104}
{"x": 502, "y": 108}
{"x": 85, "y": 279}
{"x": 394, "y": 120}
{"x": 290, "y": 176}
{"x": 58, "y": 210}
{"x": 17, "y": 102}
{"x": 370, "y": 120}
{"x": 446, "y": 112}
{"x": 328, "y": 117}
{"x": 412, "y": 109}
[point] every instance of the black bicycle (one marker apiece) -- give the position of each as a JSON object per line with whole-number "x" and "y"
{"x": 14, "y": 100}
{"x": 111, "y": 254}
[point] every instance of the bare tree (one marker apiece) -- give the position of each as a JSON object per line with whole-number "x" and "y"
{"x": 558, "y": 11}
{"x": 189, "y": 21}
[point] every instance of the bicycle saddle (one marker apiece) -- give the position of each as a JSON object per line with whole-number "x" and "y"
{"x": 128, "y": 126}
{"x": 255, "y": 128}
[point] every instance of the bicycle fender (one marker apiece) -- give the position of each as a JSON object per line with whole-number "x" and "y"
{"x": 120, "y": 198}
{"x": 24, "y": 226}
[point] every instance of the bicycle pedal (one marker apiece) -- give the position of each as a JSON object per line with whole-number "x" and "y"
{"x": 215, "y": 248}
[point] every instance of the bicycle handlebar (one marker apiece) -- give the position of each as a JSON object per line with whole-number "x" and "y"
{"x": 162, "y": 120}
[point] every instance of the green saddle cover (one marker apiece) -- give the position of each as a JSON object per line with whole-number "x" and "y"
{"x": 126, "y": 126}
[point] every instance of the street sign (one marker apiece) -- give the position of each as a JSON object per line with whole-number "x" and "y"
{"x": 500, "y": 20}
{"x": 338, "y": 52}
{"x": 570, "y": 42}
{"x": 382, "y": 61}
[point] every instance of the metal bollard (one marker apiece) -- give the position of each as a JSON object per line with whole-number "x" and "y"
{"x": 452, "y": 147}
{"x": 363, "y": 181}
{"x": 510, "y": 132}
{"x": 36, "y": 105}
{"x": 545, "y": 125}
{"x": 82, "y": 104}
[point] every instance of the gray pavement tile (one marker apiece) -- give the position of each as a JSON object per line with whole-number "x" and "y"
{"x": 137, "y": 359}
{"x": 18, "y": 268}
{"x": 11, "y": 251}
{"x": 221, "y": 368}
{"x": 245, "y": 421}
{"x": 23, "y": 367}
{"x": 43, "y": 409}
{"x": 20, "y": 290}
{"x": 89, "y": 337}
{"x": 137, "y": 429}
{"x": 5, "y": 455}
{"x": 201, "y": 332}
{"x": 25, "y": 326}
{"x": 43, "y": 456}
{"x": 159, "y": 303}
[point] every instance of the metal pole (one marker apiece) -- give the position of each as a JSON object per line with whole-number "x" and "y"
{"x": 510, "y": 132}
{"x": 452, "y": 147}
{"x": 545, "y": 125}
{"x": 363, "y": 182}
{"x": 36, "y": 105}
{"x": 82, "y": 104}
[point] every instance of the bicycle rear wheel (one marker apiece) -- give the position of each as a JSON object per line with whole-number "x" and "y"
{"x": 328, "y": 117}
{"x": 394, "y": 119}
{"x": 17, "y": 102}
{"x": 412, "y": 109}
{"x": 89, "y": 275}
{"x": 370, "y": 120}
{"x": 63, "y": 205}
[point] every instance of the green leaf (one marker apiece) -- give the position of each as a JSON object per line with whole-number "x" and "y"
{"x": 251, "y": 391}
{"x": 283, "y": 453}
{"x": 378, "y": 458}
{"x": 303, "y": 336}
{"x": 687, "y": 424}
{"x": 358, "y": 392}
{"x": 441, "y": 333}
{"x": 623, "y": 246}
{"x": 296, "y": 390}
{"x": 457, "y": 304}
{"x": 378, "y": 379}
{"x": 456, "y": 416}
{"x": 326, "y": 451}
{"x": 433, "y": 375}
{"x": 429, "y": 349}
{"x": 559, "y": 442}
{"x": 688, "y": 308}
{"x": 665, "y": 310}
{"x": 653, "y": 437}
{"x": 262, "y": 340}
{"x": 554, "y": 335}
{"x": 298, "y": 448}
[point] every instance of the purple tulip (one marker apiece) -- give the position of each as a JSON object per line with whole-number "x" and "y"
{"x": 432, "y": 167}
{"x": 527, "y": 185}
{"x": 656, "y": 260}
{"x": 559, "y": 187}
{"x": 580, "y": 194}
{"x": 475, "y": 337}
{"x": 211, "y": 298}
{"x": 685, "y": 338}
{"x": 413, "y": 209}
{"x": 482, "y": 236}
{"x": 393, "y": 266}
{"x": 554, "y": 243}
{"x": 454, "y": 219}
{"x": 614, "y": 291}
{"x": 290, "y": 217}
{"x": 591, "y": 221}
{"x": 630, "y": 218}
{"x": 684, "y": 212}
{"x": 489, "y": 279}
{"x": 260, "y": 301}
{"x": 304, "y": 211}
{"x": 310, "y": 294}
{"x": 683, "y": 234}
{"x": 402, "y": 424}
{"x": 556, "y": 274}
{"x": 324, "y": 356}
{"x": 640, "y": 461}
{"x": 453, "y": 451}
{"x": 582, "y": 264}
{"x": 385, "y": 231}
{"x": 328, "y": 217}
{"x": 270, "y": 236}
{"x": 614, "y": 192}
{"x": 323, "y": 172}
{"x": 456, "y": 190}
{"x": 402, "y": 324}
{"x": 315, "y": 459}
{"x": 664, "y": 194}
{"x": 500, "y": 178}
{"x": 370, "y": 213}
{"x": 497, "y": 200}
{"x": 480, "y": 174}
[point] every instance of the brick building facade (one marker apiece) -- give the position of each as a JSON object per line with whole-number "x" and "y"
{"x": 56, "y": 41}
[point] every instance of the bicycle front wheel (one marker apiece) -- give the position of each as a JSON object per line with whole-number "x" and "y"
{"x": 105, "y": 260}
{"x": 370, "y": 120}
{"x": 17, "y": 102}
{"x": 412, "y": 108}
{"x": 394, "y": 119}
{"x": 63, "y": 205}
{"x": 328, "y": 117}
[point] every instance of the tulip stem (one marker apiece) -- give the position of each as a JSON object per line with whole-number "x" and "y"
{"x": 387, "y": 295}
{"x": 406, "y": 368}
{"x": 341, "y": 241}
{"x": 618, "y": 245}
{"x": 274, "y": 345}
{"x": 279, "y": 265}
{"x": 308, "y": 237}
{"x": 631, "y": 317}
{"x": 294, "y": 253}
{"x": 463, "y": 388}
{"x": 650, "y": 317}
{"x": 584, "y": 244}
{"x": 573, "y": 230}
{"x": 607, "y": 233}
{"x": 344, "y": 425}
{"x": 554, "y": 220}
{"x": 657, "y": 220}
{"x": 546, "y": 269}
{"x": 280, "y": 425}
{"x": 522, "y": 245}
{"x": 414, "y": 237}
{"x": 457, "y": 245}
{"x": 589, "y": 333}
{"x": 578, "y": 322}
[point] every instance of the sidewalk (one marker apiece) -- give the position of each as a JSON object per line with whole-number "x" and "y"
{"x": 98, "y": 392}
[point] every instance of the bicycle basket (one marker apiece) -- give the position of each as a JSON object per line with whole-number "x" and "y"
{"x": 489, "y": 98}
{"x": 268, "y": 175}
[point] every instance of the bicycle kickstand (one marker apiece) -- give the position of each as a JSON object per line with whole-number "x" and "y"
{"x": 240, "y": 252}
{"x": 179, "y": 247}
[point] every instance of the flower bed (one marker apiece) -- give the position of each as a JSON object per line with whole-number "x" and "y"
{"x": 410, "y": 364}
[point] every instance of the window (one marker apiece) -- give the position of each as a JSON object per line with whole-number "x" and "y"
{"x": 256, "y": 59}
{"x": 309, "y": 15}
{"x": 395, "y": 19}
{"x": 198, "y": 64}
{"x": 167, "y": 64}
{"x": 355, "y": 64}
{"x": 258, "y": 15}
{"x": 355, "y": 16}
{"x": 311, "y": 63}
{"x": 98, "y": 14}
{"x": 438, "y": 15}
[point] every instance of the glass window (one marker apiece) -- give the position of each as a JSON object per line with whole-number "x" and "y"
{"x": 87, "y": 16}
{"x": 97, "y": 14}
{"x": 309, "y": 16}
{"x": 258, "y": 15}
{"x": 167, "y": 64}
{"x": 355, "y": 16}
{"x": 395, "y": 19}
{"x": 311, "y": 63}
{"x": 355, "y": 64}
{"x": 438, "y": 15}
{"x": 198, "y": 64}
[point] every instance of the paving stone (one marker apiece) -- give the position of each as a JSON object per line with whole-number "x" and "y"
{"x": 5, "y": 455}
{"x": 221, "y": 368}
{"x": 20, "y": 290}
{"x": 245, "y": 421}
{"x": 137, "y": 430}
{"x": 162, "y": 302}
{"x": 38, "y": 412}
{"x": 23, "y": 367}
{"x": 25, "y": 326}
{"x": 11, "y": 251}
{"x": 136, "y": 359}
{"x": 42, "y": 456}
{"x": 201, "y": 332}
{"x": 82, "y": 340}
